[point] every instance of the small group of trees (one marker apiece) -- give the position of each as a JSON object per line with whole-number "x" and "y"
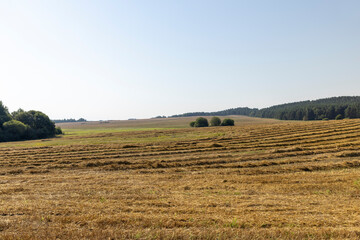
{"x": 214, "y": 121}
{"x": 25, "y": 125}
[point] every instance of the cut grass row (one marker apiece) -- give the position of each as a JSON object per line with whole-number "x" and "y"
{"x": 287, "y": 180}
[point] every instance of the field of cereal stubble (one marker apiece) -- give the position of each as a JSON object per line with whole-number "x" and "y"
{"x": 260, "y": 179}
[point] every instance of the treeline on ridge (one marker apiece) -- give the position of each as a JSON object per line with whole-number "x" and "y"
{"x": 232, "y": 111}
{"x": 322, "y": 109}
{"x": 25, "y": 125}
{"x": 69, "y": 120}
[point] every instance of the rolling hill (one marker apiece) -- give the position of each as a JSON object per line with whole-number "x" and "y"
{"x": 321, "y": 109}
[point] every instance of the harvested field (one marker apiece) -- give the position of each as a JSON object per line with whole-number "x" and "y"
{"x": 259, "y": 179}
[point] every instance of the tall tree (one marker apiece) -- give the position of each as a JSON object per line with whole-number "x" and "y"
{"x": 4, "y": 114}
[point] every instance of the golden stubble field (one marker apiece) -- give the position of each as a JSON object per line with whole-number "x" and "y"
{"x": 258, "y": 180}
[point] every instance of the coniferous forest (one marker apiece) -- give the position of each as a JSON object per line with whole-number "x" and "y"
{"x": 25, "y": 125}
{"x": 322, "y": 109}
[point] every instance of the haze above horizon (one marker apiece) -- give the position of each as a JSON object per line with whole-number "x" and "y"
{"x": 139, "y": 59}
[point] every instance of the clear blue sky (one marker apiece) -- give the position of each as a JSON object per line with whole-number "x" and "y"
{"x": 138, "y": 59}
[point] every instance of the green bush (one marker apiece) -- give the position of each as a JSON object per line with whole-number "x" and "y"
{"x": 14, "y": 130}
{"x": 58, "y": 131}
{"x": 41, "y": 124}
{"x": 192, "y": 124}
{"x": 339, "y": 117}
{"x": 201, "y": 122}
{"x": 215, "y": 121}
{"x": 22, "y": 125}
{"x": 227, "y": 122}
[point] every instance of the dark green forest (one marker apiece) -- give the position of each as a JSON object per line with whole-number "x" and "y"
{"x": 322, "y": 109}
{"x": 25, "y": 125}
{"x": 232, "y": 111}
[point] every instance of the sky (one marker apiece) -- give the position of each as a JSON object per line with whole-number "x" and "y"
{"x": 112, "y": 60}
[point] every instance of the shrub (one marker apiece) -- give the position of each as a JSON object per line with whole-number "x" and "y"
{"x": 14, "y": 130}
{"x": 41, "y": 124}
{"x": 15, "y": 127}
{"x": 58, "y": 131}
{"x": 339, "y": 117}
{"x": 21, "y": 125}
{"x": 215, "y": 121}
{"x": 227, "y": 122}
{"x": 192, "y": 124}
{"x": 201, "y": 122}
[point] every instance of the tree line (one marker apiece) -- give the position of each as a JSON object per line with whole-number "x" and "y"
{"x": 322, "y": 109}
{"x": 232, "y": 111}
{"x": 69, "y": 120}
{"x": 25, "y": 125}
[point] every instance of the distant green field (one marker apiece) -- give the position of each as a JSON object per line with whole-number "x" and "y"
{"x": 156, "y": 123}
{"x": 115, "y": 131}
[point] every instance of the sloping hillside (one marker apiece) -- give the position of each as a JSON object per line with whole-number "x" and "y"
{"x": 327, "y": 108}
